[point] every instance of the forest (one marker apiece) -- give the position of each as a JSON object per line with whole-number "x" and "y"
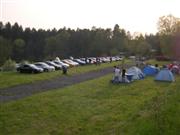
{"x": 18, "y": 43}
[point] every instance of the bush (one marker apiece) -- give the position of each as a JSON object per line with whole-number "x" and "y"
{"x": 9, "y": 65}
{"x": 24, "y": 62}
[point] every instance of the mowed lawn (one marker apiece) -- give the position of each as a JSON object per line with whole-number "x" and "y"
{"x": 8, "y": 79}
{"x": 97, "y": 107}
{"x": 160, "y": 63}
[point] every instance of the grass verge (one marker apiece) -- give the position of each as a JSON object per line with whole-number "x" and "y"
{"x": 9, "y": 79}
{"x": 160, "y": 63}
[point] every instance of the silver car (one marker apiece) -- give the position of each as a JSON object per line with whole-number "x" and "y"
{"x": 45, "y": 66}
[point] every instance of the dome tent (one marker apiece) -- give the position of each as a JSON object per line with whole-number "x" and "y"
{"x": 136, "y": 72}
{"x": 150, "y": 70}
{"x": 165, "y": 75}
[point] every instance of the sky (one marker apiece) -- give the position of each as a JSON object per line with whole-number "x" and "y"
{"x": 131, "y": 15}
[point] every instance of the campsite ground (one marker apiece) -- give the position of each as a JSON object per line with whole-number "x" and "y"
{"x": 9, "y": 79}
{"x": 97, "y": 107}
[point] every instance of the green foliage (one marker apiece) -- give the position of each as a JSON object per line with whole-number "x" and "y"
{"x": 114, "y": 52}
{"x": 119, "y": 38}
{"x": 24, "y": 62}
{"x": 18, "y": 49}
{"x": 36, "y": 45}
{"x": 9, "y": 65}
{"x": 56, "y": 45}
{"x": 142, "y": 48}
{"x": 101, "y": 42}
{"x": 139, "y": 46}
{"x": 166, "y": 45}
{"x": 5, "y": 50}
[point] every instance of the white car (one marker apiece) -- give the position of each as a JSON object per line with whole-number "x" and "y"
{"x": 45, "y": 66}
{"x": 70, "y": 62}
{"x": 61, "y": 63}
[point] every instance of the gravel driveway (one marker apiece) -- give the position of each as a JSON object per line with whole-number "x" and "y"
{"x": 25, "y": 90}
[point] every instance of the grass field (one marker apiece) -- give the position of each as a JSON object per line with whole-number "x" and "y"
{"x": 97, "y": 107}
{"x": 160, "y": 63}
{"x": 14, "y": 78}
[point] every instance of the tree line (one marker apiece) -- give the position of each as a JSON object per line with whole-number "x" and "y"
{"x": 34, "y": 45}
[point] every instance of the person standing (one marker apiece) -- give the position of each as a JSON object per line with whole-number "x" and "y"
{"x": 64, "y": 70}
{"x": 123, "y": 75}
{"x": 116, "y": 74}
{"x": 110, "y": 59}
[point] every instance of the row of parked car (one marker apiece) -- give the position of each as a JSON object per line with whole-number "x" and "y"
{"x": 58, "y": 64}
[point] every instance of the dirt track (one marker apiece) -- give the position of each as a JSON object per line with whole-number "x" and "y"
{"x": 22, "y": 91}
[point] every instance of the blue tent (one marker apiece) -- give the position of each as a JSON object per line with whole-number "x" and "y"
{"x": 150, "y": 70}
{"x": 165, "y": 75}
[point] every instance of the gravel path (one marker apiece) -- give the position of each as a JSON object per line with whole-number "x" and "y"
{"x": 22, "y": 91}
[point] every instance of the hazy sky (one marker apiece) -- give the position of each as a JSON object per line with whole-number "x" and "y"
{"x": 132, "y": 15}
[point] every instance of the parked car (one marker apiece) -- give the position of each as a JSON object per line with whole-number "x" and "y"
{"x": 61, "y": 63}
{"x": 81, "y": 62}
{"x": 118, "y": 58}
{"x": 45, "y": 66}
{"x": 105, "y": 59}
{"x": 86, "y": 60}
{"x": 132, "y": 57}
{"x": 92, "y": 60}
{"x": 29, "y": 68}
{"x": 51, "y": 63}
{"x": 70, "y": 62}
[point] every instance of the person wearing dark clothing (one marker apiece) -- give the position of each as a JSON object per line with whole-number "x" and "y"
{"x": 123, "y": 75}
{"x": 89, "y": 61}
{"x": 86, "y": 60}
{"x": 157, "y": 68}
{"x": 64, "y": 69}
{"x": 110, "y": 59}
{"x": 96, "y": 60}
{"x": 123, "y": 72}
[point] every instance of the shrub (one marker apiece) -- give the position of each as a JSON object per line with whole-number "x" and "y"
{"x": 9, "y": 65}
{"x": 24, "y": 62}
